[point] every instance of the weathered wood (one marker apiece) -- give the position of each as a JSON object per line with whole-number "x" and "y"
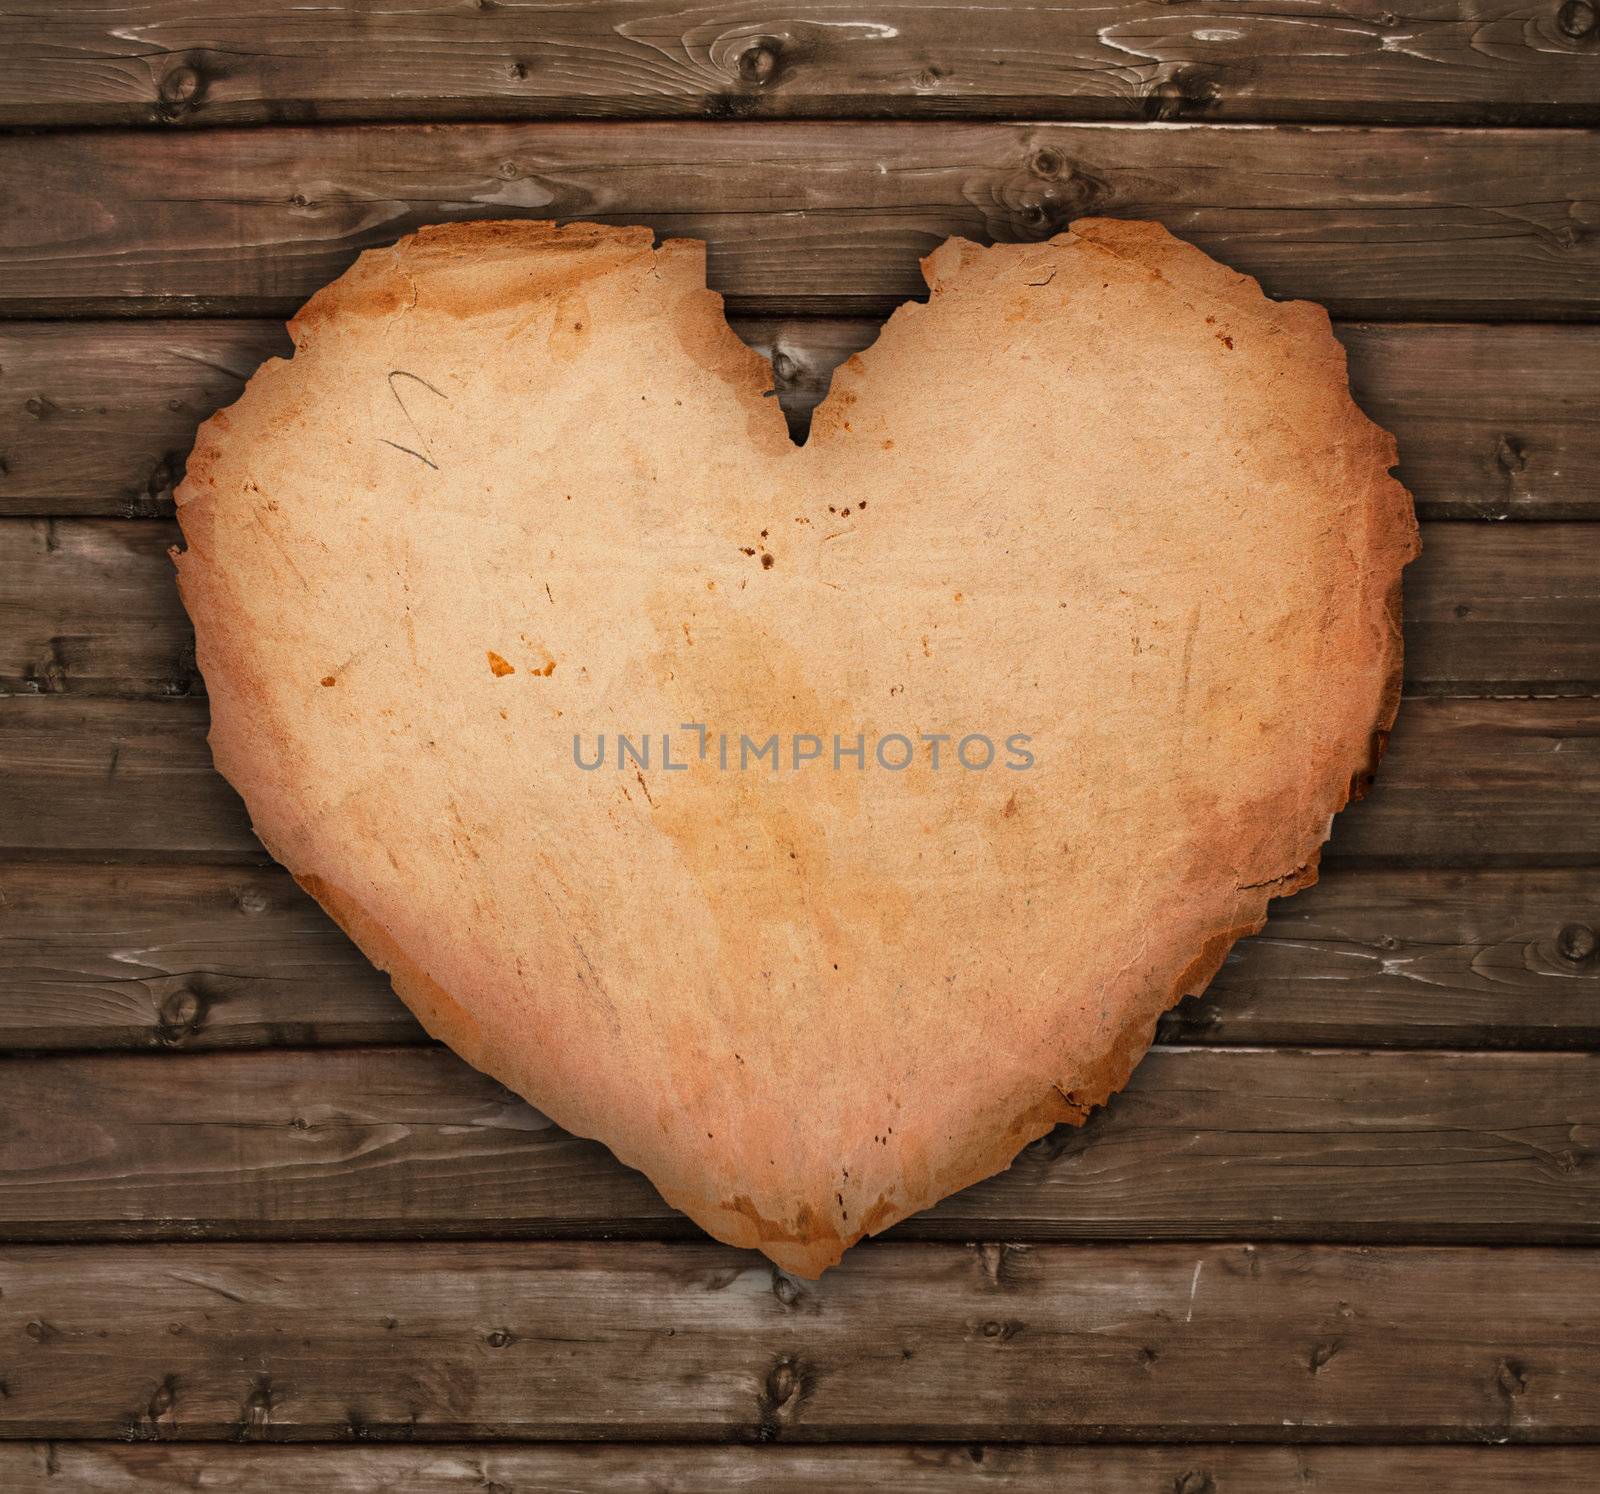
{"x": 90, "y": 607}
{"x": 98, "y": 417}
{"x": 1504, "y": 609}
{"x": 167, "y": 62}
{"x": 795, "y": 1468}
{"x": 816, "y": 218}
{"x": 199, "y": 957}
{"x": 110, "y": 778}
{"x": 1205, "y": 1143}
{"x": 1464, "y": 783}
{"x": 1494, "y": 421}
{"x": 1413, "y": 958}
{"x": 1482, "y": 783}
{"x": 238, "y": 957}
{"x": 589, "y": 1341}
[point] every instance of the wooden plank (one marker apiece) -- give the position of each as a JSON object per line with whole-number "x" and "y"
{"x": 798, "y": 1468}
{"x": 109, "y": 778}
{"x": 816, "y": 218}
{"x": 90, "y": 607}
{"x": 98, "y": 418}
{"x": 1485, "y": 783}
{"x": 1205, "y": 1143}
{"x": 238, "y": 957}
{"x": 1504, "y": 609}
{"x": 1464, "y": 783}
{"x": 188, "y": 957}
{"x": 1055, "y": 1344}
{"x": 1414, "y": 958}
{"x": 1494, "y": 421}
{"x": 167, "y": 62}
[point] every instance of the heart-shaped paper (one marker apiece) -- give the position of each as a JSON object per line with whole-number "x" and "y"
{"x": 1075, "y": 621}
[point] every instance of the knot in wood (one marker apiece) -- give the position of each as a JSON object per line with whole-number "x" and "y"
{"x": 1511, "y": 1377}
{"x": 785, "y": 1288}
{"x": 182, "y": 85}
{"x": 181, "y": 90}
{"x": 1579, "y": 20}
{"x": 758, "y": 63}
{"x": 1044, "y": 205}
{"x": 780, "y": 1397}
{"x": 1047, "y": 163}
{"x": 1577, "y": 943}
{"x": 1179, "y": 93}
{"x": 1510, "y": 455}
{"x": 181, "y": 1011}
{"x": 164, "y": 1399}
{"x": 252, "y": 901}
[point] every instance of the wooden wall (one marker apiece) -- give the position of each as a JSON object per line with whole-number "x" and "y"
{"x": 1338, "y": 1234}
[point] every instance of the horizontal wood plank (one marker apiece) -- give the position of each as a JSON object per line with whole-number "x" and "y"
{"x": 166, "y": 62}
{"x": 142, "y": 1467}
{"x": 953, "y": 1343}
{"x": 187, "y": 958}
{"x": 1504, "y": 609}
{"x": 90, "y": 607}
{"x": 1464, "y": 782}
{"x": 813, "y": 218}
{"x": 99, "y": 417}
{"x": 1205, "y": 1143}
{"x": 1494, "y": 420}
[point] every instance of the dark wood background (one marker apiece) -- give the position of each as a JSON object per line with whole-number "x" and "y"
{"x": 1338, "y": 1235}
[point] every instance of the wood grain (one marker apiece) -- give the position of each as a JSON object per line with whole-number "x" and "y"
{"x": 305, "y": 1172}
{"x": 816, "y": 218}
{"x": 90, "y": 607}
{"x": 1057, "y": 1344}
{"x": 1413, "y": 958}
{"x": 1205, "y": 1143}
{"x": 796, "y": 1468}
{"x": 190, "y": 958}
{"x": 1494, "y": 421}
{"x": 1464, "y": 783}
{"x": 98, "y": 417}
{"x": 165, "y": 62}
{"x": 176, "y": 957}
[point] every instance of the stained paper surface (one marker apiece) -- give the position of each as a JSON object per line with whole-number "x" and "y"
{"x": 522, "y": 491}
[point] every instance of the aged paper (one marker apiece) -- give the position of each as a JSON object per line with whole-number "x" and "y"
{"x": 646, "y": 750}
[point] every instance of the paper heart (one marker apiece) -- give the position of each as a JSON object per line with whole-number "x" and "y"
{"x": 1098, "y": 503}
